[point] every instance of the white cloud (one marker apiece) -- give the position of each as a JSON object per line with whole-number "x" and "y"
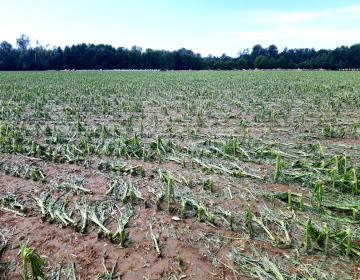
{"x": 292, "y": 33}
{"x": 269, "y": 16}
{"x": 326, "y": 28}
{"x": 280, "y": 17}
{"x": 253, "y": 35}
{"x": 320, "y": 33}
{"x": 347, "y": 10}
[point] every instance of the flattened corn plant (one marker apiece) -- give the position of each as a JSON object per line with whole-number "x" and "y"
{"x": 257, "y": 153}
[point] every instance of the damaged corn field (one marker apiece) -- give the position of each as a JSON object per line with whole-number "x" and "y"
{"x": 179, "y": 175}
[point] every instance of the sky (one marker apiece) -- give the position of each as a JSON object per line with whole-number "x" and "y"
{"x": 204, "y": 26}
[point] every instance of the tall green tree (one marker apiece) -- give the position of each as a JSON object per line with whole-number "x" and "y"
{"x": 261, "y": 62}
{"x": 7, "y": 56}
{"x": 242, "y": 64}
{"x": 281, "y": 62}
{"x": 23, "y": 42}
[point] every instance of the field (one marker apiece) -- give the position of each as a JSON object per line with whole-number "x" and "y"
{"x": 180, "y": 175}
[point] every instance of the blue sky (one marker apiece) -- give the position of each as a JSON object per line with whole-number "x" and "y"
{"x": 206, "y": 27}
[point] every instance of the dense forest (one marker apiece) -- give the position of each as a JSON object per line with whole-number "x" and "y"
{"x": 90, "y": 56}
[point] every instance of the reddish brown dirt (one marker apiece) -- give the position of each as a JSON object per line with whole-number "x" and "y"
{"x": 57, "y": 245}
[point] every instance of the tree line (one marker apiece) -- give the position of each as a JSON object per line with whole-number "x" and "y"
{"x": 89, "y": 56}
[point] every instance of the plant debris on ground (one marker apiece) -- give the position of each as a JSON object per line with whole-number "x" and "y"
{"x": 180, "y": 175}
